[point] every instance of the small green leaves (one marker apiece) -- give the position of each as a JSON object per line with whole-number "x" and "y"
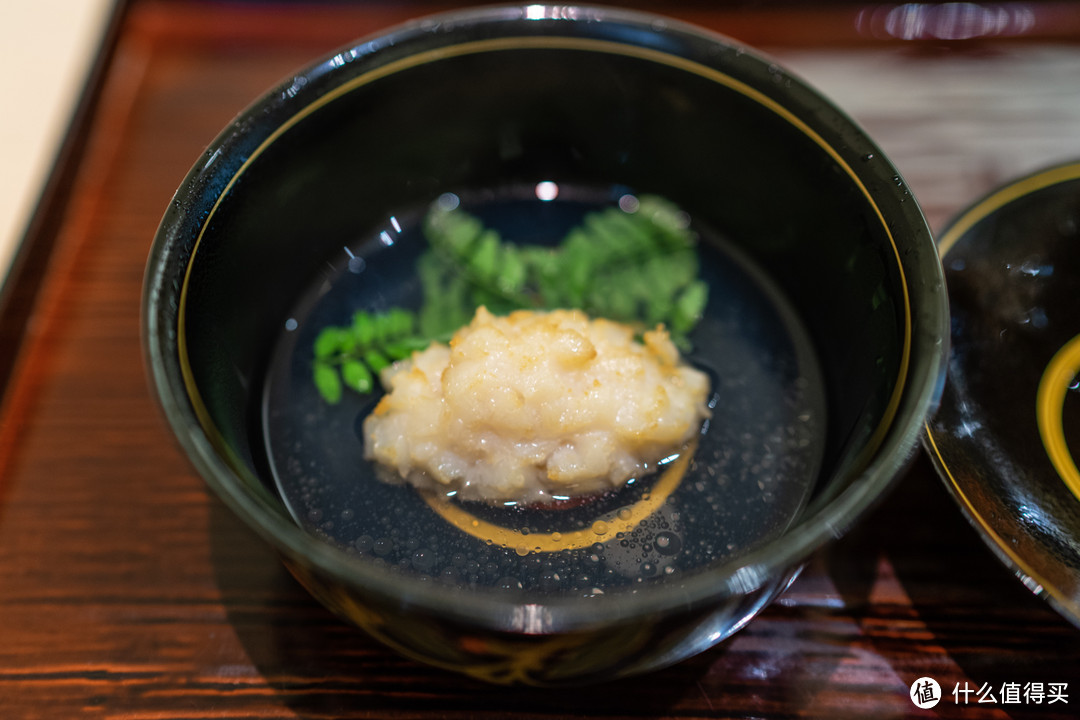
{"x": 630, "y": 267}
{"x": 636, "y": 267}
{"x": 357, "y": 376}
{"x": 494, "y": 272}
{"x": 352, "y": 356}
{"x": 513, "y": 271}
{"x": 363, "y": 329}
{"x": 327, "y": 382}
{"x": 689, "y": 307}
{"x": 376, "y": 360}
{"x": 328, "y": 343}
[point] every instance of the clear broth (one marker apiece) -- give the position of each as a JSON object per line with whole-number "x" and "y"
{"x": 753, "y": 466}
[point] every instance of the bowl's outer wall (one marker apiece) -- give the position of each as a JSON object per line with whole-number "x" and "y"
{"x": 789, "y": 188}
{"x": 580, "y": 656}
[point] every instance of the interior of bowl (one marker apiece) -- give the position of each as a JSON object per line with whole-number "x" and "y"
{"x": 801, "y": 207}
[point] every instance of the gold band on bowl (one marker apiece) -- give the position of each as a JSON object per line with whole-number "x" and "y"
{"x": 1049, "y": 407}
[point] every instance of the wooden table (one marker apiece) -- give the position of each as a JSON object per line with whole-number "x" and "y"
{"x": 128, "y": 591}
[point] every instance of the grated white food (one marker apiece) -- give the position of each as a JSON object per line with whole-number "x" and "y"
{"x": 533, "y": 405}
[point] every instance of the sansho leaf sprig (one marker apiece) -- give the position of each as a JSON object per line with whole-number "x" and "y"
{"x": 640, "y": 268}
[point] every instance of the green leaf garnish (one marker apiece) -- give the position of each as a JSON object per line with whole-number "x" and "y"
{"x": 327, "y": 381}
{"x": 638, "y": 268}
{"x": 353, "y": 355}
{"x": 357, "y": 375}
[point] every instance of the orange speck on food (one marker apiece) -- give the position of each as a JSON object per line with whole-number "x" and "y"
{"x": 383, "y": 407}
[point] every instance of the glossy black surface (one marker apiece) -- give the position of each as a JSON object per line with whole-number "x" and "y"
{"x": 1012, "y": 265}
{"x": 756, "y": 460}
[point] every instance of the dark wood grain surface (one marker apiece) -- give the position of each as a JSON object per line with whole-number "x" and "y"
{"x": 128, "y": 591}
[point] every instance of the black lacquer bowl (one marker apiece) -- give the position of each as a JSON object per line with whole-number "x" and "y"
{"x": 790, "y": 189}
{"x": 1007, "y": 434}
